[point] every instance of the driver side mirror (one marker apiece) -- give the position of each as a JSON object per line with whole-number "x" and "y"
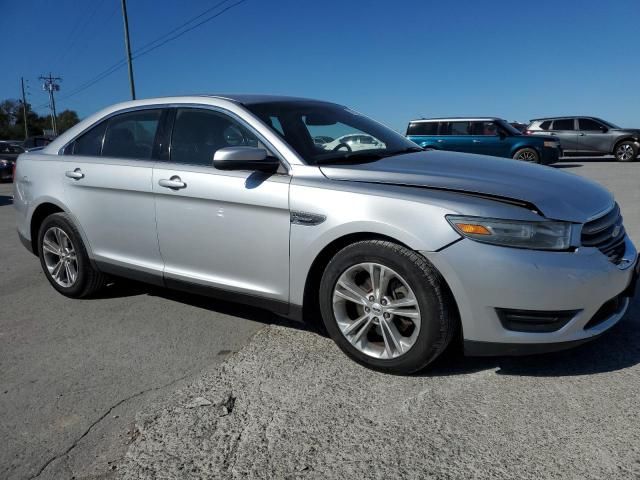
{"x": 245, "y": 158}
{"x": 502, "y": 134}
{"x": 604, "y": 129}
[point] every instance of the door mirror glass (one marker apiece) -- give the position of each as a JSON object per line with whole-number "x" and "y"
{"x": 604, "y": 129}
{"x": 245, "y": 158}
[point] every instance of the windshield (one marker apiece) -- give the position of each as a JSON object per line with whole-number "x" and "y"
{"x": 609, "y": 124}
{"x": 327, "y": 133}
{"x": 508, "y": 127}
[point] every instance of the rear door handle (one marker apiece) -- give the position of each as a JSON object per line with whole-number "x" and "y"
{"x": 581, "y": 134}
{"x": 476, "y": 141}
{"x": 174, "y": 183}
{"x": 440, "y": 141}
{"x": 75, "y": 174}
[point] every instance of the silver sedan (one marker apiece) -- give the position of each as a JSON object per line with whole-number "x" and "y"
{"x": 399, "y": 250}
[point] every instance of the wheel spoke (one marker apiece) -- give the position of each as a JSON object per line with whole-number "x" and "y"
{"x": 390, "y": 337}
{"x": 69, "y": 273}
{"x": 355, "y": 325}
{"x": 50, "y": 247}
{"x": 402, "y": 312}
{"x": 363, "y": 331}
{"x": 55, "y": 273}
{"x": 357, "y": 294}
{"x": 403, "y": 303}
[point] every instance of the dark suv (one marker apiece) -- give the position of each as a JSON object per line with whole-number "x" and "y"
{"x": 587, "y": 136}
{"x": 485, "y": 136}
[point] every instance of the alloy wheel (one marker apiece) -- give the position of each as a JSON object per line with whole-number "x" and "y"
{"x": 624, "y": 152}
{"x": 376, "y": 310}
{"x": 526, "y": 156}
{"x": 60, "y": 257}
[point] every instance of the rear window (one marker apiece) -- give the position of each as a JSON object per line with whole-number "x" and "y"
{"x": 423, "y": 128}
{"x": 564, "y": 124}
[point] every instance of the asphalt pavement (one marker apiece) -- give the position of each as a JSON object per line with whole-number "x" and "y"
{"x": 146, "y": 383}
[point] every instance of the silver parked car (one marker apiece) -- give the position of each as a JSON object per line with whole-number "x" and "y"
{"x": 400, "y": 250}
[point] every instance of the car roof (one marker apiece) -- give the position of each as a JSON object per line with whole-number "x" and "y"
{"x": 254, "y": 99}
{"x": 456, "y": 119}
{"x": 561, "y": 118}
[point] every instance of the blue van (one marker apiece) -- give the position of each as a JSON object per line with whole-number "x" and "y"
{"x": 485, "y": 136}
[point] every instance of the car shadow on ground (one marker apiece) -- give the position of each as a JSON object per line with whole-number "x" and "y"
{"x": 615, "y": 350}
{"x": 5, "y": 200}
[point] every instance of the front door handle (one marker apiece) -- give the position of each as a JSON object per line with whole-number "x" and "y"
{"x": 174, "y": 183}
{"x": 476, "y": 141}
{"x": 75, "y": 174}
{"x": 440, "y": 141}
{"x": 581, "y": 134}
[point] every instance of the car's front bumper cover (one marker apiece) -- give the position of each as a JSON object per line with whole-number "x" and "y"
{"x": 485, "y": 277}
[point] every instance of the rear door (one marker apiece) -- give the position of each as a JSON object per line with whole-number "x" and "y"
{"x": 593, "y": 136}
{"x": 108, "y": 188}
{"x": 565, "y": 130}
{"x": 223, "y": 229}
{"x": 459, "y": 138}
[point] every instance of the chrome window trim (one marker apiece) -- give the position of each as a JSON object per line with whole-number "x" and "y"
{"x": 176, "y": 105}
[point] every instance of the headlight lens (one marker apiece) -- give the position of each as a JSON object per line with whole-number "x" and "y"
{"x": 549, "y": 235}
{"x": 550, "y": 143}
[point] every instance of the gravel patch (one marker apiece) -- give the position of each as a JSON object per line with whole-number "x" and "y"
{"x": 291, "y": 405}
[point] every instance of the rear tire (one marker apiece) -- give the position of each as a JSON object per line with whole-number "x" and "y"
{"x": 64, "y": 258}
{"x": 390, "y": 337}
{"x": 625, "y": 151}
{"x": 527, "y": 155}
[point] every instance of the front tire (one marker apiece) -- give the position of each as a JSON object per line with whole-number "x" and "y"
{"x": 527, "y": 155}
{"x": 386, "y": 307}
{"x": 64, "y": 258}
{"x": 625, "y": 151}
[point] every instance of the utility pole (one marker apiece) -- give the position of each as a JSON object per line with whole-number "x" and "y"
{"x": 127, "y": 45}
{"x": 24, "y": 109}
{"x": 51, "y": 86}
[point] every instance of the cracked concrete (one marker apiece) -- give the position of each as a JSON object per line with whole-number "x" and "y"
{"x": 64, "y": 363}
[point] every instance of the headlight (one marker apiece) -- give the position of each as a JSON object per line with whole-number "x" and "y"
{"x": 549, "y": 235}
{"x": 551, "y": 143}
{"x": 4, "y": 162}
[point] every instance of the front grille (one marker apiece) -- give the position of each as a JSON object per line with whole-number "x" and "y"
{"x": 607, "y": 234}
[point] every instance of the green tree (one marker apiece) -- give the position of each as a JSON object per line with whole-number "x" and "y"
{"x": 66, "y": 120}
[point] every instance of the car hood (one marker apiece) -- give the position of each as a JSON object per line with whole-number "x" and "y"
{"x": 626, "y": 130}
{"x": 555, "y": 194}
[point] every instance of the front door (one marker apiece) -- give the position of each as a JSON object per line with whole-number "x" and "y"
{"x": 593, "y": 136}
{"x": 223, "y": 229}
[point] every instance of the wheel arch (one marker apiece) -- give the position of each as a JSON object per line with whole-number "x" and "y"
{"x": 618, "y": 141}
{"x": 311, "y": 301}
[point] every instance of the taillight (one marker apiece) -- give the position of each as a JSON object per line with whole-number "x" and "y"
{"x": 528, "y": 132}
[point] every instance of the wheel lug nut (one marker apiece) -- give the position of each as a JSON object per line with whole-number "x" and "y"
{"x": 386, "y": 315}
{"x": 367, "y": 309}
{"x": 371, "y": 299}
{"x": 375, "y": 319}
{"x": 384, "y": 302}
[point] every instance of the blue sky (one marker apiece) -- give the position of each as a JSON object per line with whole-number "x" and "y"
{"x": 393, "y": 60}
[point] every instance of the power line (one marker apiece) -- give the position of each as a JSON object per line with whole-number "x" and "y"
{"x": 149, "y": 47}
{"x": 79, "y": 29}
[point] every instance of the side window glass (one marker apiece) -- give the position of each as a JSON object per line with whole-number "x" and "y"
{"x": 423, "y": 128}
{"x": 131, "y": 135}
{"x": 459, "y": 128}
{"x": 484, "y": 128}
{"x": 564, "y": 124}
{"x": 589, "y": 125}
{"x": 198, "y": 134}
{"x": 445, "y": 128}
{"x": 545, "y": 125}
{"x": 89, "y": 143}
